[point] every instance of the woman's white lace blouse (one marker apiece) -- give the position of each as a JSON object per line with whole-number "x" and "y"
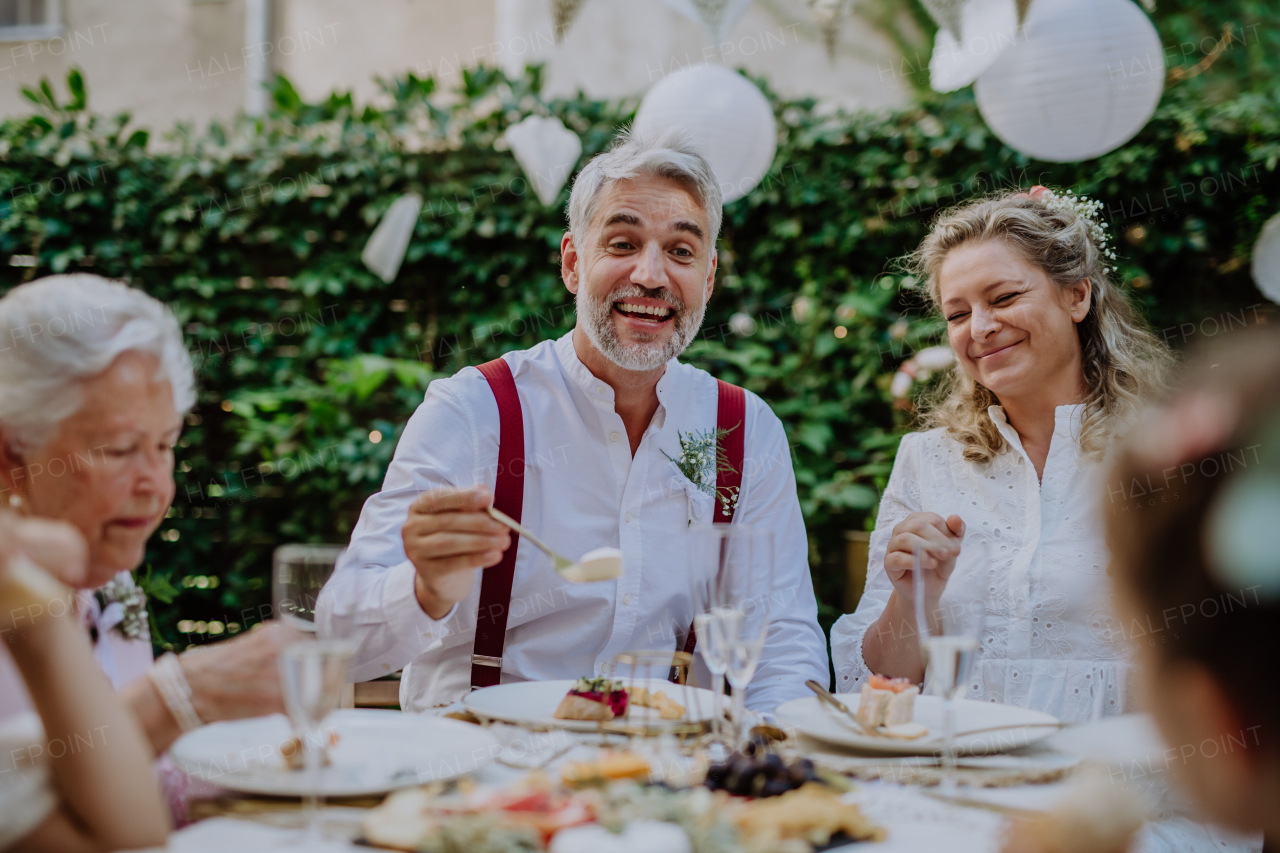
{"x": 1051, "y": 642}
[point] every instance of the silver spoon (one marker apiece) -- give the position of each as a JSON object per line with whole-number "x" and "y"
{"x": 601, "y": 564}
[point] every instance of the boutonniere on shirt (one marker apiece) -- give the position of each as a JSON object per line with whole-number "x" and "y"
{"x": 702, "y": 458}
{"x": 124, "y": 607}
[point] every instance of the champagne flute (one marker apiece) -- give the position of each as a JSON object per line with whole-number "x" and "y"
{"x": 313, "y": 668}
{"x": 747, "y": 617}
{"x": 736, "y": 565}
{"x": 711, "y": 646}
{"x": 950, "y": 621}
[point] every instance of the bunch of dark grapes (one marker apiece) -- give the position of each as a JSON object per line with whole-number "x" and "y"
{"x": 759, "y": 775}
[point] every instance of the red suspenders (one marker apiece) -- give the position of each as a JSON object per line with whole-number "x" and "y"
{"x": 508, "y": 496}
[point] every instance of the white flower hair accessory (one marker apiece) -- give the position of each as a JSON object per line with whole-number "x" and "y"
{"x": 1082, "y": 206}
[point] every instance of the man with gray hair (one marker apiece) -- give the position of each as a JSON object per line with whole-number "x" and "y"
{"x": 585, "y": 439}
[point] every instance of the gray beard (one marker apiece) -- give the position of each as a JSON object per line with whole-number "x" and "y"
{"x": 597, "y": 321}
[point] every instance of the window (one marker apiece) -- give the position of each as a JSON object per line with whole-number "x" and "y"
{"x": 29, "y": 20}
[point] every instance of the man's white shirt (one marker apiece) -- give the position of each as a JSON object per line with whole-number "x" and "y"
{"x": 582, "y": 490}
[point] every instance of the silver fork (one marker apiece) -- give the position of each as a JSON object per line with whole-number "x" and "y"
{"x": 561, "y": 564}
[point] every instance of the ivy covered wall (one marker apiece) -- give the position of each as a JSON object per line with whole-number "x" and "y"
{"x": 309, "y": 365}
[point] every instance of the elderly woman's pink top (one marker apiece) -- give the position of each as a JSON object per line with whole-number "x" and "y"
{"x": 121, "y": 659}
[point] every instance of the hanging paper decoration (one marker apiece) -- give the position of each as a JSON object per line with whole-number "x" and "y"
{"x": 562, "y": 14}
{"x": 987, "y": 29}
{"x": 1266, "y": 259}
{"x": 827, "y": 14}
{"x": 726, "y": 114}
{"x": 547, "y": 151}
{"x": 945, "y": 13}
{"x": 390, "y": 240}
{"x": 1084, "y": 77}
{"x": 718, "y": 16}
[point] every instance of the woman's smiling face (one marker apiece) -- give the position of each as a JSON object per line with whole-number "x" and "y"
{"x": 1013, "y": 330}
{"x": 108, "y": 468}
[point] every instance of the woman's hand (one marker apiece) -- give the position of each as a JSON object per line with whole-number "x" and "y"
{"x": 939, "y": 541}
{"x": 26, "y": 593}
{"x": 240, "y": 677}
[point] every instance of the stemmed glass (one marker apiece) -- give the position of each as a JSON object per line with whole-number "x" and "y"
{"x": 734, "y": 574}
{"x": 748, "y": 602}
{"x": 711, "y": 647}
{"x": 313, "y": 668}
{"x": 950, "y": 613}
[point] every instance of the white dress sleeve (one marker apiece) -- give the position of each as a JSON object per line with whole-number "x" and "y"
{"x": 27, "y": 795}
{"x": 901, "y": 498}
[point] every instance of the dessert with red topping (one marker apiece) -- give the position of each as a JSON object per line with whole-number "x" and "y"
{"x": 593, "y": 699}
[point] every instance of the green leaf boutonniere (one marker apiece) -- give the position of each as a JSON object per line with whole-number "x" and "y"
{"x": 702, "y": 458}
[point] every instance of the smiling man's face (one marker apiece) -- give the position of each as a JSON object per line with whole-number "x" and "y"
{"x": 642, "y": 273}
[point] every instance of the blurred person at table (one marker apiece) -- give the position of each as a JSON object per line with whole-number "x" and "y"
{"x": 75, "y": 775}
{"x": 1193, "y": 521}
{"x": 604, "y": 409}
{"x": 1053, "y": 363}
{"x": 92, "y": 391}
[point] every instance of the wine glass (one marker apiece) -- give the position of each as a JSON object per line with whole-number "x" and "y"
{"x": 313, "y": 668}
{"x": 950, "y": 614}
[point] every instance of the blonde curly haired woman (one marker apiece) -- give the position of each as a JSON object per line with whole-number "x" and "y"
{"x": 1053, "y": 362}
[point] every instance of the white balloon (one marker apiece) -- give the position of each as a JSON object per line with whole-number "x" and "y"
{"x": 547, "y": 151}
{"x": 987, "y": 29}
{"x": 1083, "y": 80}
{"x": 729, "y": 118}
{"x": 1266, "y": 259}
{"x": 390, "y": 240}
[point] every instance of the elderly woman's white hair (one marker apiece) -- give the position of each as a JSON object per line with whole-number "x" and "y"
{"x": 670, "y": 154}
{"x": 58, "y": 331}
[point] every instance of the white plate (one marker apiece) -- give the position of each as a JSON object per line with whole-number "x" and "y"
{"x": 377, "y": 751}
{"x": 812, "y": 718}
{"x": 533, "y": 703}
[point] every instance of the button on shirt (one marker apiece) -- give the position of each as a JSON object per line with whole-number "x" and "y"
{"x": 1053, "y": 641}
{"x": 582, "y": 490}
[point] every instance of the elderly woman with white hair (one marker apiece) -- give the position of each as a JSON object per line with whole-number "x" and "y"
{"x": 94, "y": 382}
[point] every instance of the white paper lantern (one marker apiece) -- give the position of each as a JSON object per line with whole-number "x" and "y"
{"x": 390, "y": 240}
{"x": 547, "y": 151}
{"x": 987, "y": 29}
{"x": 1083, "y": 80}
{"x": 1266, "y": 259}
{"x": 729, "y": 118}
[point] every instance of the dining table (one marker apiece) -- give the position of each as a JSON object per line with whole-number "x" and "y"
{"x": 899, "y": 793}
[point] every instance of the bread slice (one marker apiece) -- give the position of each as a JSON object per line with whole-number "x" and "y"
{"x": 575, "y": 707}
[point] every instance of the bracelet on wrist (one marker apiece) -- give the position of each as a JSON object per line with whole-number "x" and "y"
{"x": 166, "y": 674}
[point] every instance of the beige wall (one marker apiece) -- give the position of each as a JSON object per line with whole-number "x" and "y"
{"x": 169, "y": 60}
{"x": 144, "y": 56}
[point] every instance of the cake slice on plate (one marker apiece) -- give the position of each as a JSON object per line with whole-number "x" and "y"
{"x": 594, "y": 700}
{"x": 887, "y": 701}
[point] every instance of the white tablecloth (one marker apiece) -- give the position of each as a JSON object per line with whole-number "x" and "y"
{"x": 1128, "y": 746}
